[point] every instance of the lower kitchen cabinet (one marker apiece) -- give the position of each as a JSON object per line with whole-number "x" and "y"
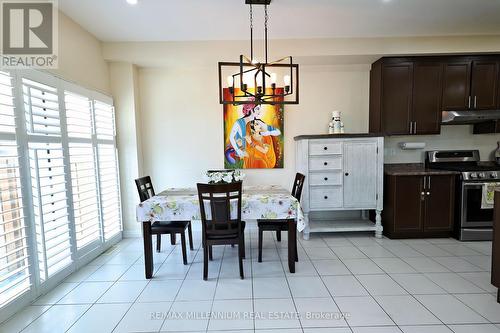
{"x": 418, "y": 206}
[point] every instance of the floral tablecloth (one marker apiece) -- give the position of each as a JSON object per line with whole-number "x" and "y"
{"x": 258, "y": 202}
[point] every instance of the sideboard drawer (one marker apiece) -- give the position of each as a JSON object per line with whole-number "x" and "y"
{"x": 324, "y": 147}
{"x": 325, "y": 197}
{"x": 326, "y": 178}
{"x": 325, "y": 163}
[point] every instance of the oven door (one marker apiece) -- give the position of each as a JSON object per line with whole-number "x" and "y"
{"x": 472, "y": 213}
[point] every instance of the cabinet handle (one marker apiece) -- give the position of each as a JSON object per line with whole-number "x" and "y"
{"x": 411, "y": 127}
{"x": 326, "y": 178}
{"x": 326, "y": 163}
{"x": 325, "y": 148}
{"x": 326, "y": 197}
{"x": 347, "y": 173}
{"x": 469, "y": 102}
{"x": 475, "y": 102}
{"x": 429, "y": 186}
{"x": 428, "y": 193}
{"x": 415, "y": 128}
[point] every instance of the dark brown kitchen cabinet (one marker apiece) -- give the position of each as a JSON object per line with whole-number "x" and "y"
{"x": 456, "y": 85}
{"x": 396, "y": 101}
{"x": 426, "y": 111}
{"x": 484, "y": 85}
{"x": 418, "y": 206}
{"x": 487, "y": 127}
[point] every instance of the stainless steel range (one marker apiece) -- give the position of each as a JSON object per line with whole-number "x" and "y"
{"x": 473, "y": 219}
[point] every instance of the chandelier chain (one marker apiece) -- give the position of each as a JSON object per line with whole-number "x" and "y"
{"x": 266, "y": 19}
{"x": 251, "y": 32}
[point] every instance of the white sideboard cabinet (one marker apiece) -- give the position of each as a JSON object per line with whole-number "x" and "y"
{"x": 344, "y": 181}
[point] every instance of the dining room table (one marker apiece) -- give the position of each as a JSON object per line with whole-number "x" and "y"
{"x": 270, "y": 202}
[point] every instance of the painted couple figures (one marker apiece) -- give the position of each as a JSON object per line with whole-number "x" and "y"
{"x": 251, "y": 139}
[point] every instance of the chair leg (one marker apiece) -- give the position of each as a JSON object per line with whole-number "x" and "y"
{"x": 158, "y": 243}
{"x": 210, "y": 254}
{"x": 190, "y": 235}
{"x": 278, "y": 235}
{"x": 205, "y": 262}
{"x": 296, "y": 252}
{"x": 243, "y": 251}
{"x": 172, "y": 239}
{"x": 183, "y": 245}
{"x": 261, "y": 234}
{"x": 240, "y": 257}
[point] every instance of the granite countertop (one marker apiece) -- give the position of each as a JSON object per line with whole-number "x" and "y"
{"x": 338, "y": 136}
{"x": 414, "y": 169}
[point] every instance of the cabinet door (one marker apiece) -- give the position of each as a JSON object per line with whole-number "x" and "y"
{"x": 439, "y": 203}
{"x": 456, "y": 86}
{"x": 397, "y": 87}
{"x": 427, "y": 87}
{"x": 409, "y": 203}
{"x": 484, "y": 85}
{"x": 360, "y": 174}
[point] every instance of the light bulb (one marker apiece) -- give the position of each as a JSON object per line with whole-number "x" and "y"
{"x": 132, "y": 2}
{"x": 259, "y": 80}
{"x": 230, "y": 81}
{"x": 274, "y": 78}
{"x": 255, "y": 61}
{"x": 287, "y": 79}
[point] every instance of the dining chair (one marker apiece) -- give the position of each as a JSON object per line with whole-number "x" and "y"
{"x": 281, "y": 225}
{"x": 146, "y": 191}
{"x": 219, "y": 226}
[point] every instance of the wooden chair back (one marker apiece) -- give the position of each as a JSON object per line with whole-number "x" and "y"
{"x": 219, "y": 198}
{"x": 145, "y": 188}
{"x": 298, "y": 184}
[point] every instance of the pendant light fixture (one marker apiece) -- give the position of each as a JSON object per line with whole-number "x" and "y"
{"x": 251, "y": 81}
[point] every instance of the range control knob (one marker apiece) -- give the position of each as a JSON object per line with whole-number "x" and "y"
{"x": 481, "y": 175}
{"x": 493, "y": 175}
{"x": 473, "y": 175}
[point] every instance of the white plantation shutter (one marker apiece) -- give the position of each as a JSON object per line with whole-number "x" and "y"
{"x": 104, "y": 121}
{"x": 109, "y": 183}
{"x": 14, "y": 256}
{"x": 78, "y": 115}
{"x": 59, "y": 182}
{"x": 108, "y": 168}
{"x": 50, "y": 207}
{"x": 41, "y": 107}
{"x": 85, "y": 200}
{"x": 7, "y": 119}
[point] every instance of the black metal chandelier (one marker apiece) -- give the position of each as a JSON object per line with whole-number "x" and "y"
{"x": 251, "y": 81}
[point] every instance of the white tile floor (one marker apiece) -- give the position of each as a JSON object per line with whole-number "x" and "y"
{"x": 381, "y": 285}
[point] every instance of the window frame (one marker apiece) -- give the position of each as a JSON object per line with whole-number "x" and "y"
{"x": 79, "y": 257}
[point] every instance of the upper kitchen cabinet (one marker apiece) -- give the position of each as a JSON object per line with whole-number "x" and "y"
{"x": 391, "y": 97}
{"x": 409, "y": 94}
{"x": 456, "y": 85}
{"x": 470, "y": 83}
{"x": 427, "y": 84}
{"x": 405, "y": 96}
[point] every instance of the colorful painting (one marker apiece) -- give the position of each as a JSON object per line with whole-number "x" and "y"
{"x": 253, "y": 135}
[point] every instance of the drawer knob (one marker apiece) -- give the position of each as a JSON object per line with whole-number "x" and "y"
{"x": 326, "y": 178}
{"x": 326, "y": 163}
{"x": 325, "y": 148}
{"x": 347, "y": 173}
{"x": 326, "y": 197}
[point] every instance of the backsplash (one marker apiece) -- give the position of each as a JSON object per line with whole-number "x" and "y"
{"x": 451, "y": 138}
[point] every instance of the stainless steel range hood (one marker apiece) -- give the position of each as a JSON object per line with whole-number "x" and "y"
{"x": 469, "y": 117}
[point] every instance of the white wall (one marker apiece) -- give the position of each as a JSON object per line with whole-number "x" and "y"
{"x": 80, "y": 57}
{"x": 181, "y": 119}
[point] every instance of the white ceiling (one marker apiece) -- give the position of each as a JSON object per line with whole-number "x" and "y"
{"x": 169, "y": 20}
